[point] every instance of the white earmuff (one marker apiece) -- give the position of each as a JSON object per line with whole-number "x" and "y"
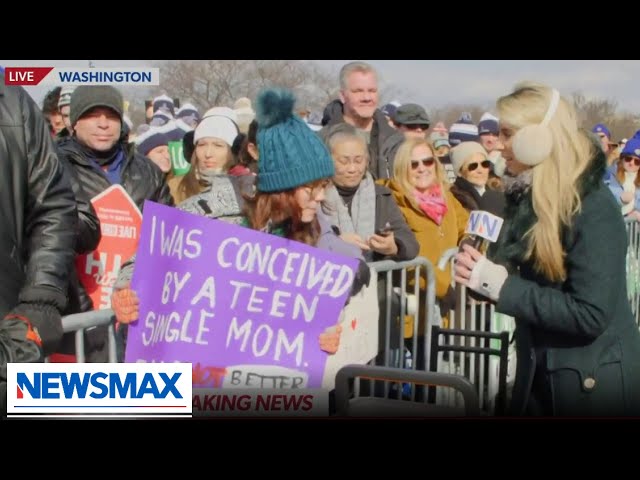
{"x": 533, "y": 144}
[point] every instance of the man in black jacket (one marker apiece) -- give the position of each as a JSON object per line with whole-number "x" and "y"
{"x": 359, "y": 102}
{"x": 37, "y": 224}
{"x": 99, "y": 156}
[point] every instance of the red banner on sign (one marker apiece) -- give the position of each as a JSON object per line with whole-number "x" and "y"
{"x": 120, "y": 222}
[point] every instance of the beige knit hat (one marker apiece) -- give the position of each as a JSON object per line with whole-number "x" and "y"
{"x": 461, "y": 152}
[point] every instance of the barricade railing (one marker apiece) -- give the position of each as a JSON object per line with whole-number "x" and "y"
{"x": 479, "y": 316}
{"x": 633, "y": 266}
{"x": 81, "y": 322}
{"x": 406, "y": 318}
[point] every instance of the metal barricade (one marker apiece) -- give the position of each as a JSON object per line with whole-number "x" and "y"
{"x": 633, "y": 266}
{"x": 478, "y": 316}
{"x": 405, "y": 319}
{"x": 80, "y": 322}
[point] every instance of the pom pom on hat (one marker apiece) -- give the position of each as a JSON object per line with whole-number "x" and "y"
{"x": 291, "y": 154}
{"x": 274, "y": 106}
{"x": 245, "y": 113}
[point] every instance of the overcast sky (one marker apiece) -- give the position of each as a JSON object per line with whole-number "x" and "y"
{"x": 434, "y": 83}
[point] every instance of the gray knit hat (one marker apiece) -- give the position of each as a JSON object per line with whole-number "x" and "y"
{"x": 86, "y": 97}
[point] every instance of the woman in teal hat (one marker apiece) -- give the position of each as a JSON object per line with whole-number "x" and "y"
{"x": 294, "y": 168}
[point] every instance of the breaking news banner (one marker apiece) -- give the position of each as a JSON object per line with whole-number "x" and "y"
{"x": 245, "y": 308}
{"x": 211, "y": 402}
{"x": 99, "y": 389}
{"x": 32, "y": 76}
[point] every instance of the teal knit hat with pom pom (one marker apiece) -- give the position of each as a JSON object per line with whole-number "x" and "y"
{"x": 290, "y": 153}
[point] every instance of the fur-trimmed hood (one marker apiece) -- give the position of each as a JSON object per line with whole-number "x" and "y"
{"x": 520, "y": 216}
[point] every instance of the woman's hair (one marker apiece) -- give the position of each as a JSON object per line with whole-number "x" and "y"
{"x": 402, "y": 165}
{"x": 555, "y": 187}
{"x": 614, "y": 155}
{"x": 244, "y": 157}
{"x": 620, "y": 173}
{"x": 282, "y": 209}
{"x": 191, "y": 184}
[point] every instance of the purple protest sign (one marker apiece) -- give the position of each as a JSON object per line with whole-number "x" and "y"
{"x": 244, "y": 307}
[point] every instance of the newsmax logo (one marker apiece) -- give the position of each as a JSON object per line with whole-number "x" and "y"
{"x": 97, "y": 389}
{"x": 31, "y": 76}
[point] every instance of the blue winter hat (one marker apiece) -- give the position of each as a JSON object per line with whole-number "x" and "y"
{"x": 463, "y": 130}
{"x": 600, "y": 128}
{"x": 488, "y": 124}
{"x": 290, "y": 153}
{"x": 152, "y": 138}
{"x": 163, "y": 102}
{"x": 632, "y": 147}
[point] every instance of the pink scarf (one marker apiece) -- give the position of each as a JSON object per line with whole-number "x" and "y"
{"x": 432, "y": 203}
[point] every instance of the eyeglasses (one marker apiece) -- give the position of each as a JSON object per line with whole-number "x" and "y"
{"x": 472, "y": 166}
{"x": 313, "y": 192}
{"x": 416, "y": 126}
{"x": 635, "y": 160}
{"x": 427, "y": 162}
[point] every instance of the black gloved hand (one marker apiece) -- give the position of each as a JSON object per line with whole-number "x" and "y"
{"x": 40, "y": 307}
{"x": 18, "y": 343}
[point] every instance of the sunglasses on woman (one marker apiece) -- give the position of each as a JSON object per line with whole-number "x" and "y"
{"x": 635, "y": 160}
{"x": 417, "y": 126}
{"x": 427, "y": 162}
{"x": 472, "y": 166}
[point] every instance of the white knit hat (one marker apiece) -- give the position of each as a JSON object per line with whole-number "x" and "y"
{"x": 462, "y": 151}
{"x": 218, "y": 122}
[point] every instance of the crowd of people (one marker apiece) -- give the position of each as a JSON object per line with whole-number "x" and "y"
{"x": 370, "y": 181}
